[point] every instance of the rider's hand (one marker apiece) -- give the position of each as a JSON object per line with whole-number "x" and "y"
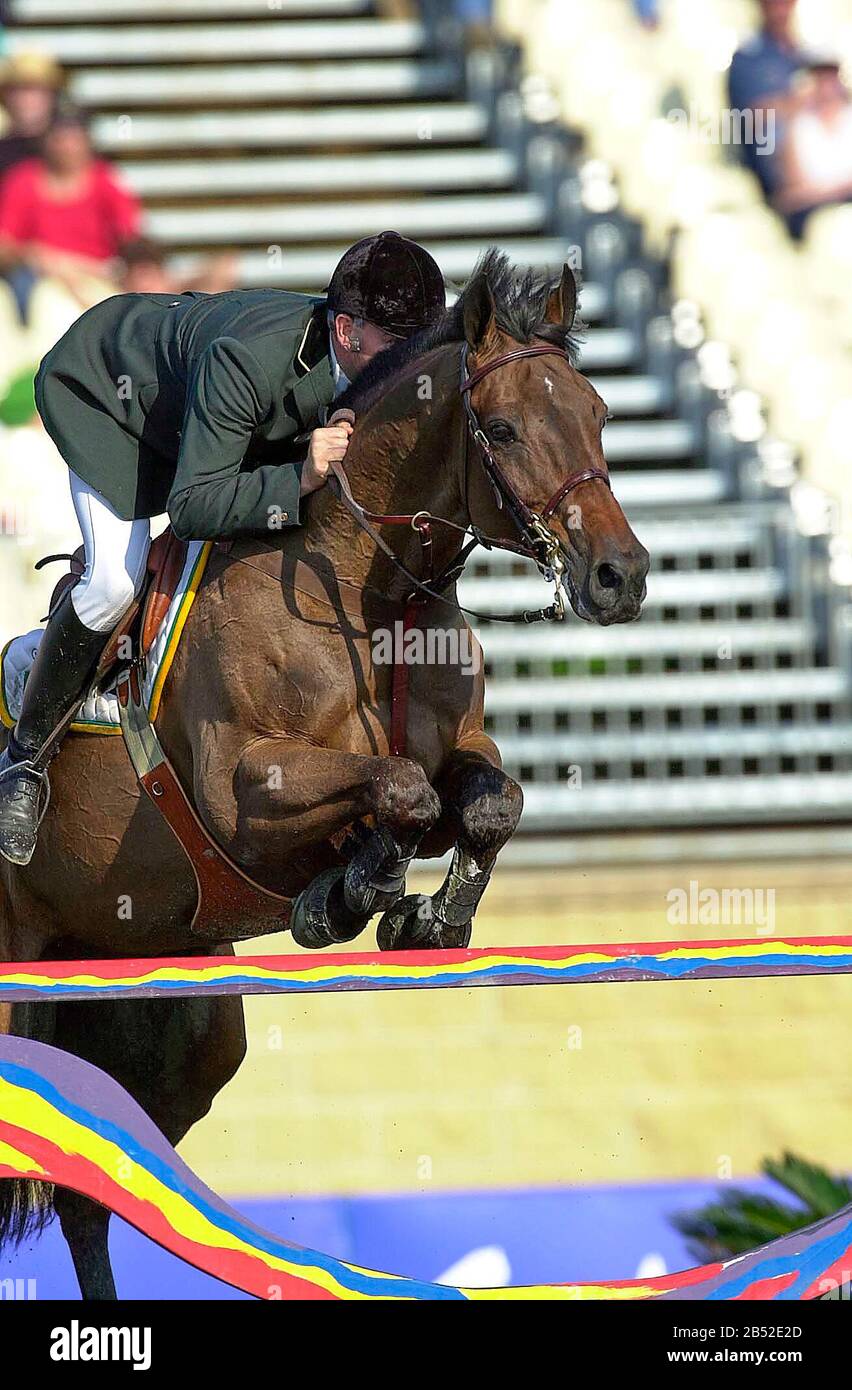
{"x": 327, "y": 446}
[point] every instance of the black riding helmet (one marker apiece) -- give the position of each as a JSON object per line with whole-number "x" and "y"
{"x": 390, "y": 281}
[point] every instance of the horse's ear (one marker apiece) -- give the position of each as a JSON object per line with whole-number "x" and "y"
{"x": 478, "y": 304}
{"x": 562, "y": 301}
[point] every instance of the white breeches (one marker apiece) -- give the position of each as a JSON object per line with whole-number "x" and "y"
{"x": 116, "y": 558}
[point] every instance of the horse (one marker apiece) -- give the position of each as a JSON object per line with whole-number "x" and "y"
{"x": 277, "y": 713}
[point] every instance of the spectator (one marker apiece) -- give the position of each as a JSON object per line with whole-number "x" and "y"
{"x": 475, "y": 18}
{"x": 145, "y": 271}
{"x": 29, "y": 84}
{"x": 817, "y": 154}
{"x": 65, "y": 215}
{"x": 647, "y": 12}
{"x": 762, "y": 77}
{"x": 144, "y": 268}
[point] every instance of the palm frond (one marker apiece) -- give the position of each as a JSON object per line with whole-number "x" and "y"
{"x": 739, "y": 1221}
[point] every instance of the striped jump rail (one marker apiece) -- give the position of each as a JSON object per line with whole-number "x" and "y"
{"x": 64, "y": 1121}
{"x": 624, "y": 962}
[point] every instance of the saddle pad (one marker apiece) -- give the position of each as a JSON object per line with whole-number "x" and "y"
{"x": 99, "y": 712}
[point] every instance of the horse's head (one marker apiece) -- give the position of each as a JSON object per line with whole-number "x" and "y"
{"x": 542, "y": 423}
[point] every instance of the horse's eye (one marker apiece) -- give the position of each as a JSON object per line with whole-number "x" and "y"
{"x": 501, "y": 432}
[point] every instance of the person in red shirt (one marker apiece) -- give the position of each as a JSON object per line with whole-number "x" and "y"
{"x": 65, "y": 214}
{"x": 29, "y": 88}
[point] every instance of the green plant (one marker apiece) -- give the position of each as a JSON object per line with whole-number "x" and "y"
{"x": 17, "y": 403}
{"x": 740, "y": 1221}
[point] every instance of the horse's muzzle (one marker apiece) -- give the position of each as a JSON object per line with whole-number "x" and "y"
{"x": 614, "y": 586}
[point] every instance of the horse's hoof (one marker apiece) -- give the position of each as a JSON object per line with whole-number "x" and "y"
{"x": 320, "y": 916}
{"x": 411, "y": 925}
{"x": 375, "y": 876}
{"x": 408, "y": 925}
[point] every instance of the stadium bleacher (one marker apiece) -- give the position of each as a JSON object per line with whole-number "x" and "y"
{"x": 286, "y": 138}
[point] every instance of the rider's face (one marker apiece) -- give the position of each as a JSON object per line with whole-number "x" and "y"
{"x": 374, "y": 339}
{"x": 357, "y": 342}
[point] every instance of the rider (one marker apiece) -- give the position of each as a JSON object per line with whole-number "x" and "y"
{"x": 181, "y": 403}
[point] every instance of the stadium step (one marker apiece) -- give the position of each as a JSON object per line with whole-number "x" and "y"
{"x": 133, "y": 43}
{"x": 697, "y": 589}
{"x": 766, "y": 743}
{"x": 265, "y": 83}
{"x": 633, "y": 395}
{"x": 670, "y": 690}
{"x": 654, "y": 440}
{"x": 330, "y": 175}
{"x": 687, "y": 800}
{"x": 296, "y": 128}
{"x": 687, "y": 488}
{"x": 706, "y": 541}
{"x": 681, "y": 641}
{"x": 107, "y": 11}
{"x": 309, "y": 268}
{"x": 610, "y": 350}
{"x": 507, "y": 213}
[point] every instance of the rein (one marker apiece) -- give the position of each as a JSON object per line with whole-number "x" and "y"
{"x": 422, "y": 522}
{"x": 537, "y": 541}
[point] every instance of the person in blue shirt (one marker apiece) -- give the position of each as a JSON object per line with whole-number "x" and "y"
{"x": 762, "y": 78}
{"x": 648, "y": 11}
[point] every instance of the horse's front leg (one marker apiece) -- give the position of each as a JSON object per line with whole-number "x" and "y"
{"x": 292, "y": 798}
{"x": 482, "y": 806}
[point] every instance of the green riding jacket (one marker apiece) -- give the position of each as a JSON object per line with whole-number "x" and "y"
{"x": 191, "y": 404}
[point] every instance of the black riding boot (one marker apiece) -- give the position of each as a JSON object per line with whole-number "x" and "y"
{"x": 56, "y": 686}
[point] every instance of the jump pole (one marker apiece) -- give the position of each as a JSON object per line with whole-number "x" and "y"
{"x": 492, "y": 967}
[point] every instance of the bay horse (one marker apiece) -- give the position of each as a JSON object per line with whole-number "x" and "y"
{"x": 277, "y": 714}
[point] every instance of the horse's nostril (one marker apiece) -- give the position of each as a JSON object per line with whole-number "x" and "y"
{"x": 609, "y": 577}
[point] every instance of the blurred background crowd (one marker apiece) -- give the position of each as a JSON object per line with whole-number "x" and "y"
{"x": 727, "y": 127}
{"x": 71, "y": 228}
{"x": 774, "y": 73}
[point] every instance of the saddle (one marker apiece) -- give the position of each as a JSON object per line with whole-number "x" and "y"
{"x": 227, "y": 899}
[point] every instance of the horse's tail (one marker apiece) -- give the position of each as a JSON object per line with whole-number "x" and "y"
{"x": 27, "y": 1207}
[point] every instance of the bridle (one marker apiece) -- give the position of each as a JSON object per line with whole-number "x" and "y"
{"x": 537, "y": 541}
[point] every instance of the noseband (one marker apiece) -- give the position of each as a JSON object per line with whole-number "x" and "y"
{"x": 537, "y": 539}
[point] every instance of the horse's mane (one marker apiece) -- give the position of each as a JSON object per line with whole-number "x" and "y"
{"x": 520, "y": 297}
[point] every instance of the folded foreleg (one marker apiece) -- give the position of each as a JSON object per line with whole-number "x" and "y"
{"x": 295, "y": 798}
{"x": 482, "y": 805}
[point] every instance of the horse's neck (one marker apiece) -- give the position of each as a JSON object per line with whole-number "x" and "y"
{"x": 406, "y": 457}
